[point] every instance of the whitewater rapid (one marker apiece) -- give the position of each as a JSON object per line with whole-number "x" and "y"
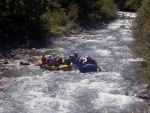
{"x": 35, "y": 90}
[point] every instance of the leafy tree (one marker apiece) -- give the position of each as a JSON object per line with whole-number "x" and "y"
{"x": 109, "y": 9}
{"x": 128, "y": 5}
{"x": 94, "y": 9}
{"x": 120, "y": 4}
{"x": 24, "y": 20}
{"x": 20, "y": 19}
{"x": 132, "y": 5}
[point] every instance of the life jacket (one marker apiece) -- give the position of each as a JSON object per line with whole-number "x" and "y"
{"x": 55, "y": 62}
{"x": 44, "y": 59}
{"x": 49, "y": 61}
{"x": 76, "y": 59}
{"x": 68, "y": 61}
{"x": 64, "y": 60}
{"x": 81, "y": 62}
{"x": 60, "y": 60}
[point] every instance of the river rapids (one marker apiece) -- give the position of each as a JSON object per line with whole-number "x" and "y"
{"x": 34, "y": 90}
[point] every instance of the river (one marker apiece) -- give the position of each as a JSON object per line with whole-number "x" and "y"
{"x": 34, "y": 90}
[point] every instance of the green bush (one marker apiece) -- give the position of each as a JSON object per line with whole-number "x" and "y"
{"x": 24, "y": 20}
{"x": 141, "y": 33}
{"x": 93, "y": 10}
{"x": 128, "y": 5}
{"x": 58, "y": 22}
{"x": 109, "y": 9}
{"x": 20, "y": 19}
{"x": 63, "y": 15}
{"x": 73, "y": 12}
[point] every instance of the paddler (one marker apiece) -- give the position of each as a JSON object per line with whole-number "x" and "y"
{"x": 44, "y": 59}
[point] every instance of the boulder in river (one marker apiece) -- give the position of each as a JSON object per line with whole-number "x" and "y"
{"x": 143, "y": 97}
{"x": 24, "y": 63}
{"x": 122, "y": 26}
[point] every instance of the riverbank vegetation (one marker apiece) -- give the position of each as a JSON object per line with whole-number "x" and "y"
{"x": 141, "y": 34}
{"x": 128, "y": 5}
{"x": 22, "y": 21}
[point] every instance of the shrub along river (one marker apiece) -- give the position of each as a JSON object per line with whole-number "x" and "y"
{"x": 119, "y": 88}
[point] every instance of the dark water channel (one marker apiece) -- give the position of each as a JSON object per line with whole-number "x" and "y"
{"x": 34, "y": 90}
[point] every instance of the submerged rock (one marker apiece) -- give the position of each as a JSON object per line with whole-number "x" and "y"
{"x": 143, "y": 97}
{"x": 122, "y": 26}
{"x": 24, "y": 63}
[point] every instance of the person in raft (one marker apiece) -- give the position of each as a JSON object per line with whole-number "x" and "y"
{"x": 53, "y": 56}
{"x": 50, "y": 60}
{"x": 60, "y": 59}
{"x": 44, "y": 59}
{"x": 91, "y": 60}
{"x": 76, "y": 58}
{"x": 69, "y": 60}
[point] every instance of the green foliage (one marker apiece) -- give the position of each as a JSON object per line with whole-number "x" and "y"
{"x": 141, "y": 33}
{"x": 24, "y": 20}
{"x": 20, "y": 19}
{"x": 109, "y": 9}
{"x": 73, "y": 12}
{"x": 95, "y": 9}
{"x": 88, "y": 10}
{"x": 57, "y": 21}
{"x": 133, "y": 5}
{"x": 128, "y": 5}
{"x": 120, "y": 4}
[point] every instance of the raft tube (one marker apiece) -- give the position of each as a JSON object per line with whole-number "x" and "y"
{"x": 64, "y": 67}
{"x": 88, "y": 68}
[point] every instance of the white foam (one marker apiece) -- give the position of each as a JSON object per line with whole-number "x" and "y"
{"x": 93, "y": 41}
{"x": 113, "y": 27}
{"x": 62, "y": 50}
{"x": 34, "y": 93}
{"x": 106, "y": 100}
{"x": 102, "y": 86}
{"x": 122, "y": 48}
{"x": 127, "y": 14}
{"x": 127, "y": 39}
{"x": 110, "y": 38}
{"x": 42, "y": 103}
{"x": 135, "y": 60}
{"x": 103, "y": 52}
